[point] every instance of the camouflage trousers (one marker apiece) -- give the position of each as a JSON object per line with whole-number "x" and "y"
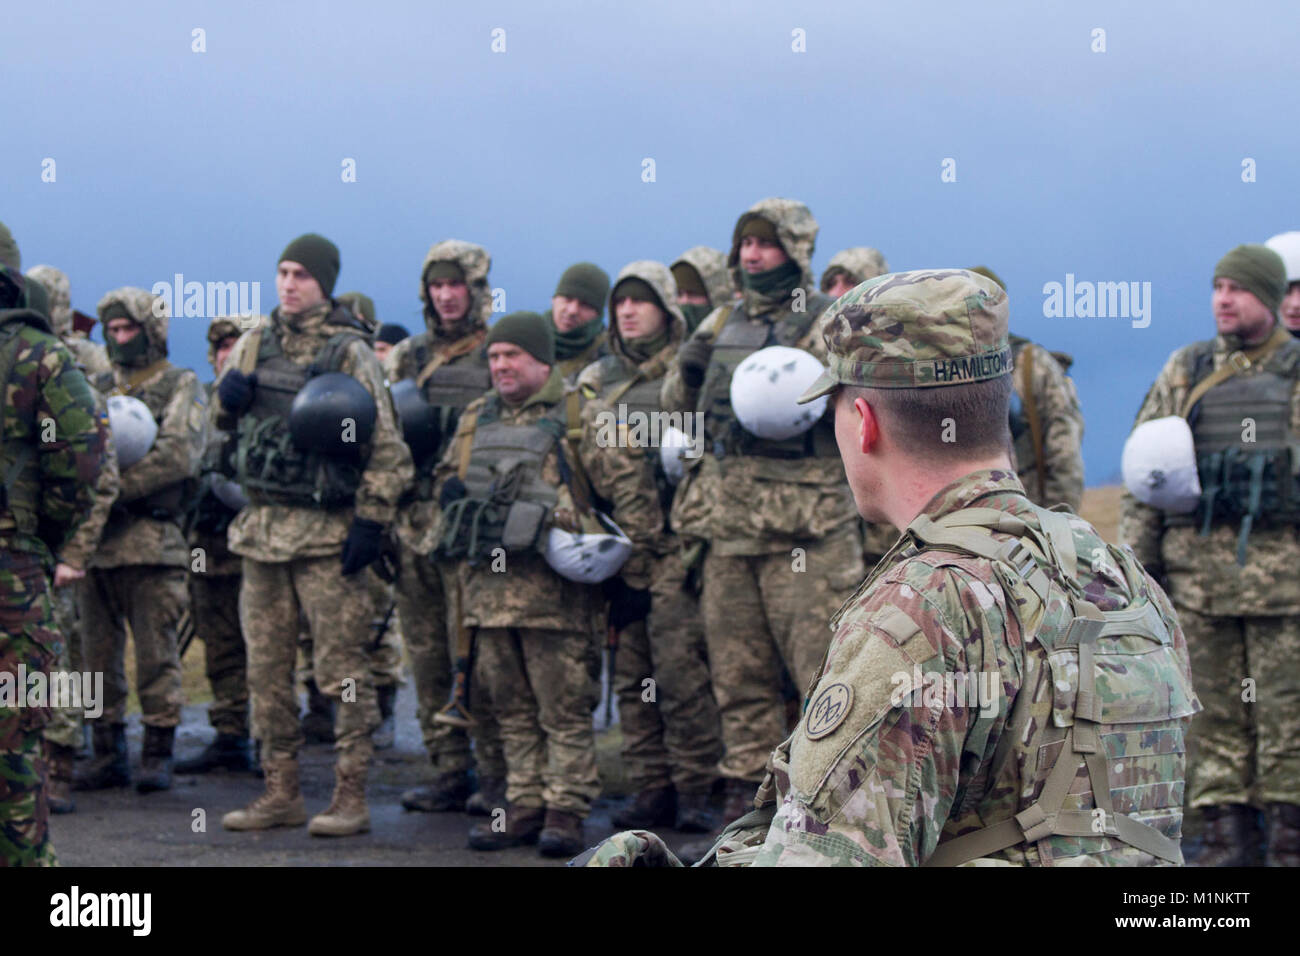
{"x": 1242, "y": 746}
{"x": 29, "y": 644}
{"x": 543, "y": 687}
{"x": 338, "y": 611}
{"x": 665, "y": 703}
{"x": 151, "y": 599}
{"x": 426, "y": 592}
{"x": 64, "y": 728}
{"x": 385, "y": 656}
{"x": 761, "y": 614}
{"x": 214, "y": 604}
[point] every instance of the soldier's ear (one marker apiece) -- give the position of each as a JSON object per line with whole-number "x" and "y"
{"x": 868, "y": 425}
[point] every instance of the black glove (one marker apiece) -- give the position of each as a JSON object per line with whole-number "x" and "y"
{"x": 236, "y": 390}
{"x": 453, "y": 489}
{"x": 363, "y": 546}
{"x": 626, "y": 605}
{"x": 693, "y": 357}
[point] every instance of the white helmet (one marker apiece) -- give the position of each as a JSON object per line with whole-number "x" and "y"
{"x": 672, "y": 442}
{"x": 1287, "y": 245}
{"x": 1159, "y": 465}
{"x": 765, "y": 391}
{"x": 585, "y": 557}
{"x": 134, "y": 429}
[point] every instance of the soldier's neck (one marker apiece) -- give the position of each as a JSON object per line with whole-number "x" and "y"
{"x": 913, "y": 486}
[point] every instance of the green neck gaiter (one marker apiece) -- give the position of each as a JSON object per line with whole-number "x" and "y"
{"x": 576, "y": 341}
{"x": 130, "y": 355}
{"x": 694, "y": 314}
{"x": 646, "y": 347}
{"x": 774, "y": 283}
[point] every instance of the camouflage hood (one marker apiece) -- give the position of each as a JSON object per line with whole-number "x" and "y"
{"x": 56, "y": 284}
{"x": 223, "y": 327}
{"x": 860, "y": 262}
{"x": 658, "y": 278}
{"x": 795, "y": 227}
{"x": 475, "y": 262}
{"x": 711, "y": 264}
{"x": 140, "y": 305}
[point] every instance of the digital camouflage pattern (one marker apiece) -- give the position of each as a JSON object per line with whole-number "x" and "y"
{"x": 882, "y": 778}
{"x": 857, "y": 264}
{"x": 928, "y": 327}
{"x": 1242, "y": 621}
{"x": 214, "y": 607}
{"x": 44, "y": 385}
{"x": 795, "y": 228}
{"x": 274, "y": 532}
{"x": 89, "y": 355}
{"x": 711, "y": 265}
{"x": 1053, "y": 394}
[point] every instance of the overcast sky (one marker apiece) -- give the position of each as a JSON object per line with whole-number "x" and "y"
{"x": 1117, "y": 166}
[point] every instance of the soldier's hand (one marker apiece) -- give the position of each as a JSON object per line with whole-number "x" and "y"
{"x": 236, "y": 390}
{"x": 693, "y": 358}
{"x": 65, "y": 574}
{"x": 566, "y": 519}
{"x": 363, "y": 546}
{"x": 627, "y": 605}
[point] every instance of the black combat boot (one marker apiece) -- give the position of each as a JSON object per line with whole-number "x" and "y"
{"x": 1283, "y": 834}
{"x": 228, "y": 752}
{"x": 491, "y": 794}
{"x": 447, "y": 793}
{"x": 386, "y": 733}
{"x": 519, "y": 826}
{"x": 109, "y": 767}
{"x": 156, "y": 765}
{"x": 318, "y": 722}
{"x": 652, "y": 807}
{"x": 1231, "y": 837}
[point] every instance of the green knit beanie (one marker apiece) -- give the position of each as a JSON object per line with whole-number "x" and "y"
{"x": 528, "y": 330}
{"x": 1257, "y": 269}
{"x": 9, "y": 254}
{"x": 586, "y": 282}
{"x": 988, "y": 273}
{"x": 759, "y": 227}
{"x": 318, "y": 256}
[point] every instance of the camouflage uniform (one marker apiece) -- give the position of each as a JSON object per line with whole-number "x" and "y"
{"x": 451, "y": 368}
{"x": 1042, "y": 385}
{"x": 89, "y": 355}
{"x": 763, "y": 516}
{"x": 1242, "y": 619}
{"x": 710, "y": 267}
{"x": 292, "y": 557}
{"x": 673, "y": 740}
{"x": 47, "y": 496}
{"x": 534, "y": 631}
{"x": 138, "y": 574}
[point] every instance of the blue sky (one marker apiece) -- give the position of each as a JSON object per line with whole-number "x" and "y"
{"x": 1123, "y": 165}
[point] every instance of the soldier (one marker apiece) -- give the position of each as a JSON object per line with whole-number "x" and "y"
{"x": 773, "y": 519}
{"x": 138, "y": 574}
{"x": 702, "y": 283}
{"x": 511, "y": 472}
{"x": 1230, "y": 566}
{"x": 388, "y": 338}
{"x": 979, "y": 701}
{"x": 1046, "y": 422}
{"x": 89, "y": 355}
{"x": 576, "y": 308}
{"x": 52, "y": 448}
{"x": 1287, "y": 245}
{"x": 321, "y": 491}
{"x": 671, "y": 743}
{"x": 214, "y": 583}
{"x": 447, "y": 364}
{"x": 851, "y": 267}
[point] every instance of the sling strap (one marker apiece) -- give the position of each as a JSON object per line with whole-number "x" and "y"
{"x": 1236, "y": 363}
{"x": 448, "y": 353}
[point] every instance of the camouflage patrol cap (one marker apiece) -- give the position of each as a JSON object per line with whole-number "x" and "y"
{"x": 919, "y": 329}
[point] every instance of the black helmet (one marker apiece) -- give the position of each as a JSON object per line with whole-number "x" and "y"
{"x": 420, "y": 425}
{"x": 332, "y": 414}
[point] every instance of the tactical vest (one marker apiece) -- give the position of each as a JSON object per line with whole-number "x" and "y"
{"x": 739, "y": 338}
{"x": 19, "y": 468}
{"x": 1251, "y": 482}
{"x": 169, "y": 502}
{"x": 270, "y": 467}
{"x": 448, "y": 389}
{"x": 1114, "y": 684}
{"x": 209, "y": 515}
{"x": 638, "y": 390}
{"x": 507, "y": 502}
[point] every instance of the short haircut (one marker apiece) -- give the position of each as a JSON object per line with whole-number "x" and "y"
{"x": 947, "y": 423}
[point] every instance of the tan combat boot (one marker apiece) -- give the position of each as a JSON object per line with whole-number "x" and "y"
{"x": 347, "y": 813}
{"x": 280, "y": 806}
